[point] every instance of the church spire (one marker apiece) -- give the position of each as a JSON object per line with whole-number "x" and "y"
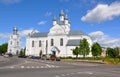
{"x": 66, "y": 17}
{"x": 61, "y": 15}
{"x": 54, "y": 20}
{"x": 14, "y": 42}
{"x": 15, "y": 30}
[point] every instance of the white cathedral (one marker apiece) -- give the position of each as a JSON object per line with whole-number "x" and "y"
{"x": 60, "y": 40}
{"x": 14, "y": 43}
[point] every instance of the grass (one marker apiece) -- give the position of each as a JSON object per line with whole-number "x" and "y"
{"x": 92, "y": 59}
{"x": 112, "y": 60}
{"x": 87, "y": 58}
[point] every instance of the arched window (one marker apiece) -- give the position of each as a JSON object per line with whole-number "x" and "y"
{"x": 17, "y": 43}
{"x": 32, "y": 43}
{"x": 11, "y": 37}
{"x": 61, "y": 42}
{"x": 52, "y": 42}
{"x": 40, "y": 43}
{"x": 17, "y": 52}
{"x": 10, "y": 50}
{"x": 11, "y": 42}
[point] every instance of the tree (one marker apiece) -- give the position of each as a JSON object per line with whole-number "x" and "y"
{"x": 96, "y": 49}
{"x": 0, "y": 50}
{"x": 22, "y": 52}
{"x": 3, "y": 48}
{"x": 116, "y": 52}
{"x": 40, "y": 54}
{"x": 113, "y": 53}
{"x": 119, "y": 58}
{"x": 76, "y": 51}
{"x": 84, "y": 47}
{"x": 117, "y": 49}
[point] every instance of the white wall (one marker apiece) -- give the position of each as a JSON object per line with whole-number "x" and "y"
{"x": 36, "y": 49}
{"x": 64, "y": 50}
{"x": 14, "y": 47}
{"x": 57, "y": 44}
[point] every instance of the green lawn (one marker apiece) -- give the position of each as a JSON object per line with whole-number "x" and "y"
{"x": 112, "y": 60}
{"x": 106, "y": 60}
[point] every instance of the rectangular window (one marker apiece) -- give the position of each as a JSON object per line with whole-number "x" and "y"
{"x": 40, "y": 43}
{"x": 61, "y": 42}
{"x": 32, "y": 43}
{"x": 52, "y": 42}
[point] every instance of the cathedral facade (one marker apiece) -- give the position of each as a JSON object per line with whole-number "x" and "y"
{"x": 14, "y": 43}
{"x": 60, "y": 39}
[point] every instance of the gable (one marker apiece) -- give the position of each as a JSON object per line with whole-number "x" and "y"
{"x": 57, "y": 29}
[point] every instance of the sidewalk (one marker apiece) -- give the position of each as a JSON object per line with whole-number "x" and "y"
{"x": 86, "y": 61}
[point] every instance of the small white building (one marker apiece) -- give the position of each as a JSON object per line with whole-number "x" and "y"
{"x": 60, "y": 40}
{"x": 14, "y": 43}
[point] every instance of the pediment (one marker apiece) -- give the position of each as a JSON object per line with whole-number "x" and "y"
{"x": 57, "y": 30}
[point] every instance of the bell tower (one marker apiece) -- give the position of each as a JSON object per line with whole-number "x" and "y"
{"x": 14, "y": 42}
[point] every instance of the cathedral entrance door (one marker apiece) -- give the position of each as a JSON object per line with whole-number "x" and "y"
{"x": 55, "y": 50}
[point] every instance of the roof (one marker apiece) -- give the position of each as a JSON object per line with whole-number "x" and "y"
{"x": 76, "y": 32}
{"x": 75, "y": 42}
{"x": 61, "y": 13}
{"x": 40, "y": 34}
{"x": 45, "y": 34}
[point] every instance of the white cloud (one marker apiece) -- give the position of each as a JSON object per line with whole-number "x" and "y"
{"x": 48, "y": 14}
{"x": 25, "y": 33}
{"x": 104, "y": 39}
{"x": 10, "y": 1}
{"x": 42, "y": 22}
{"x": 96, "y": 34}
{"x": 102, "y": 12}
{"x": 4, "y": 35}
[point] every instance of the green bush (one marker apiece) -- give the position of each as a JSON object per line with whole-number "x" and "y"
{"x": 109, "y": 60}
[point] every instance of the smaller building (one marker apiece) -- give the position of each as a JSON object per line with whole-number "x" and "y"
{"x": 14, "y": 43}
{"x": 103, "y": 52}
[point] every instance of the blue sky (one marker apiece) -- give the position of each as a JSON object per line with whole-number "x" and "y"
{"x": 98, "y": 18}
